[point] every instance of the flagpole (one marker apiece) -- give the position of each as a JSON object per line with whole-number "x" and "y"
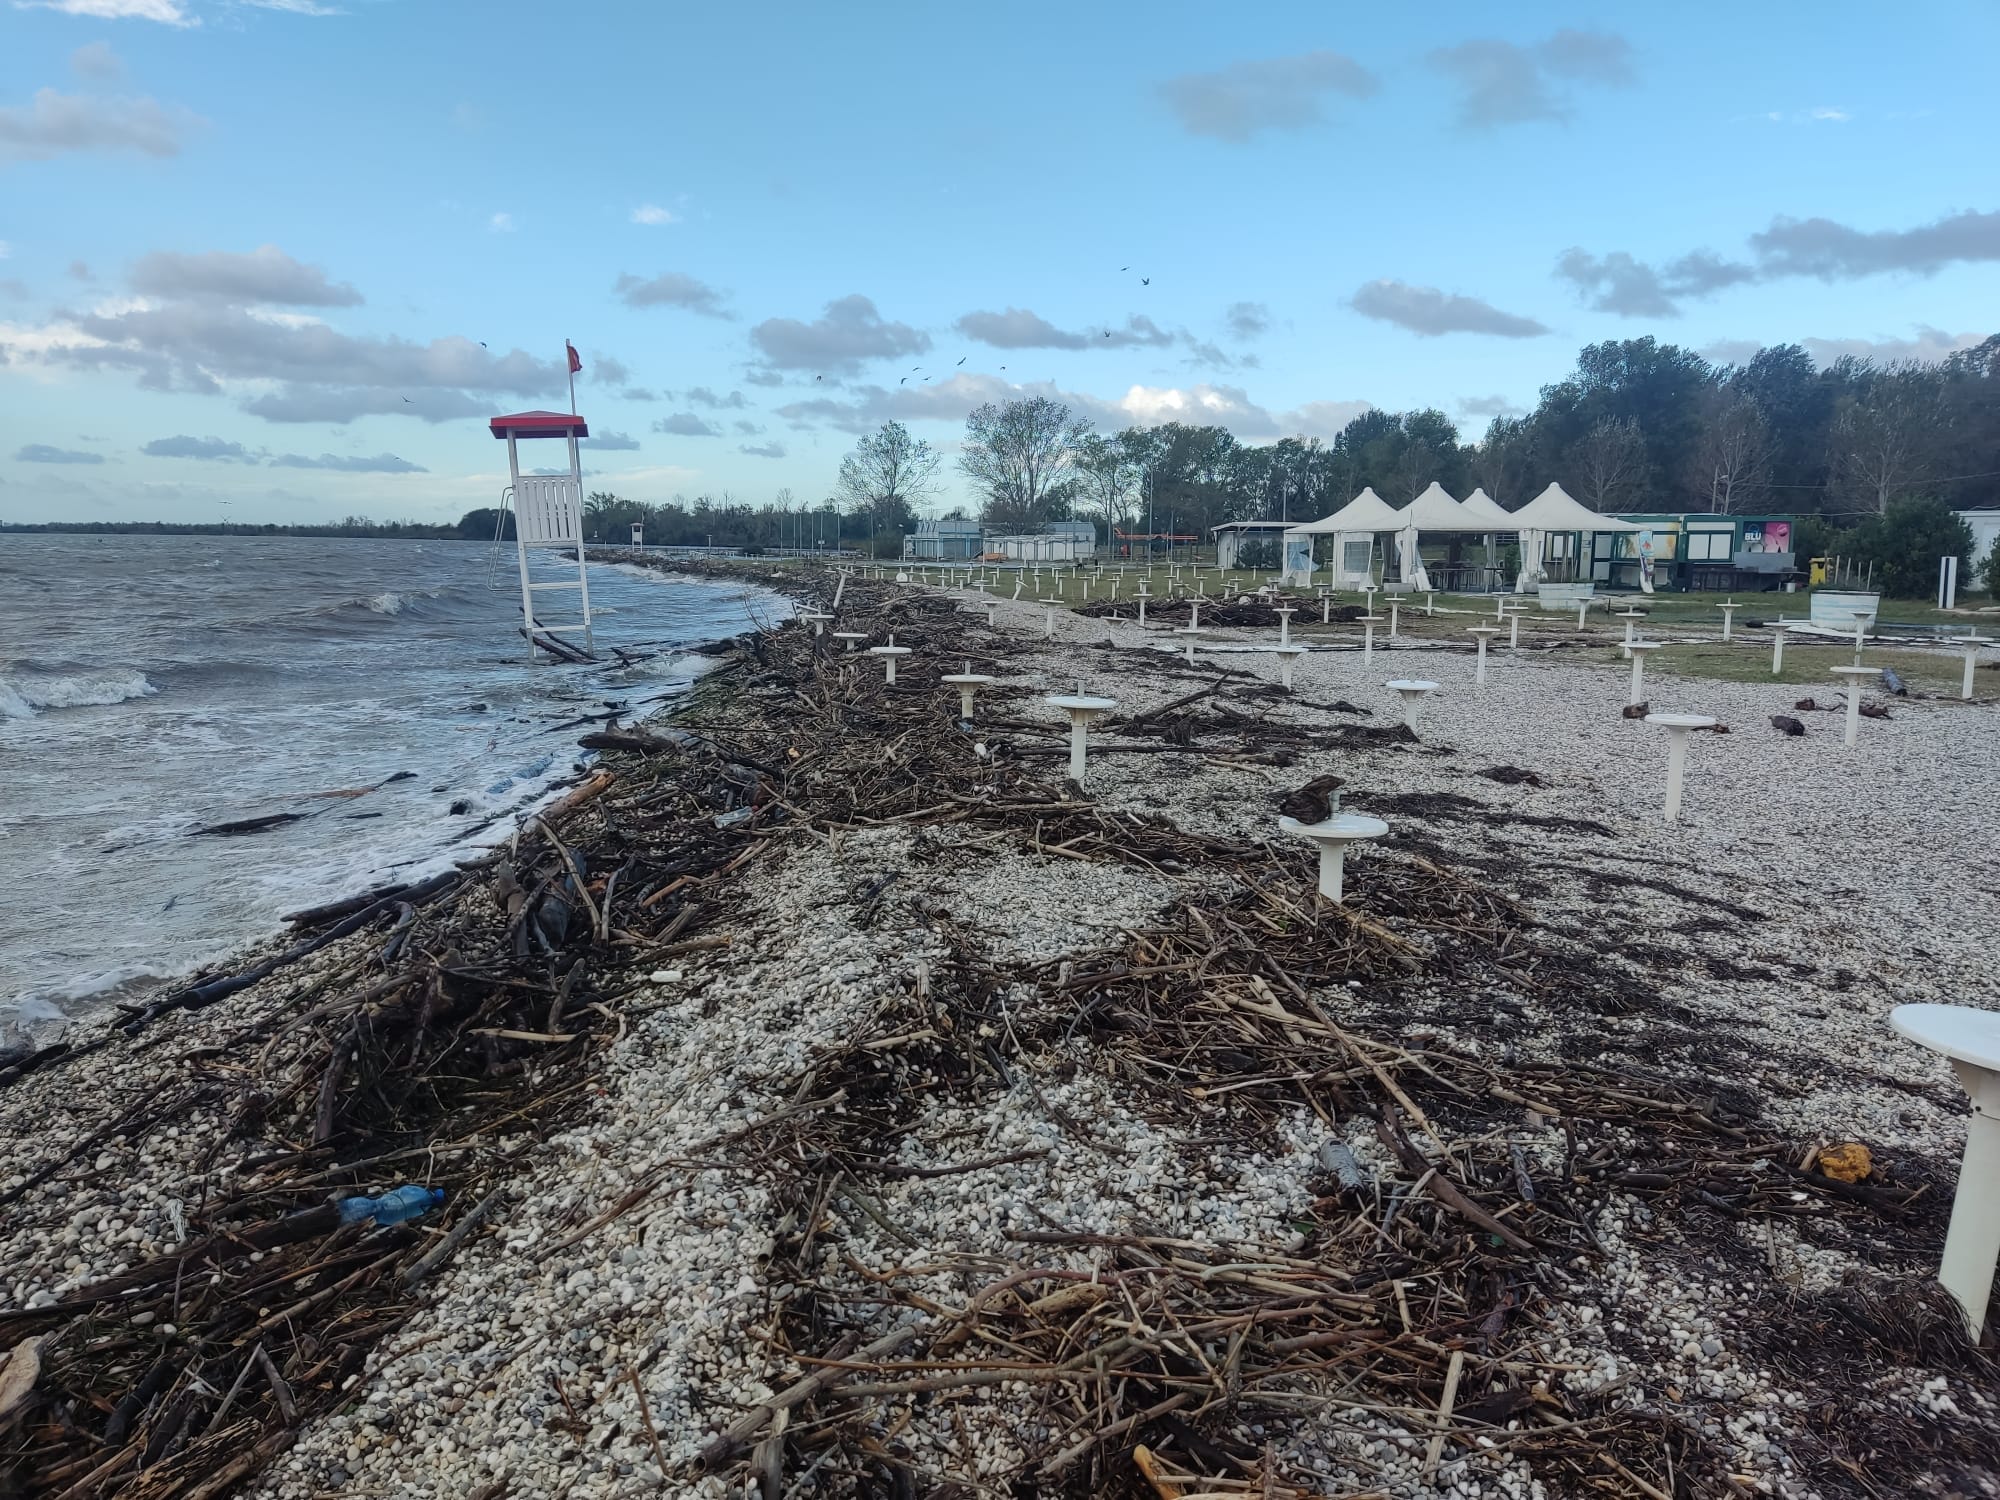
{"x": 569, "y": 363}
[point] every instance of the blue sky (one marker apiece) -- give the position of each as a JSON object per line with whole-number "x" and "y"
{"x": 278, "y": 260}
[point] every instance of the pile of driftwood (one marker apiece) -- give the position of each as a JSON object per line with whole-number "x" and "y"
{"x": 1231, "y": 610}
{"x": 401, "y": 1034}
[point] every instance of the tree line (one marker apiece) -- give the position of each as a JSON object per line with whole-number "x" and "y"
{"x": 1639, "y": 426}
{"x": 1872, "y": 456}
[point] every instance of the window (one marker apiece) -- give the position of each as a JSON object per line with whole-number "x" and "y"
{"x": 1355, "y": 555}
{"x": 1710, "y": 546}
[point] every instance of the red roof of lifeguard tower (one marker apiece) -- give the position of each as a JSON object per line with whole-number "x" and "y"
{"x": 539, "y": 424}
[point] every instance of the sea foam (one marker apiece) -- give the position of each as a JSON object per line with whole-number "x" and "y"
{"x": 22, "y": 697}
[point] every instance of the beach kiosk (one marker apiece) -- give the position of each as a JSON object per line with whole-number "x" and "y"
{"x": 548, "y": 514}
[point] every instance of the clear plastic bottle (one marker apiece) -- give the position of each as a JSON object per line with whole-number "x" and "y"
{"x": 404, "y": 1203}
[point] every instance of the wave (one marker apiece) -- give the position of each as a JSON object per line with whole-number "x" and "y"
{"x": 22, "y": 697}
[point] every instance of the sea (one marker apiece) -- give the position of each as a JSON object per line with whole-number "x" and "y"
{"x": 379, "y": 691}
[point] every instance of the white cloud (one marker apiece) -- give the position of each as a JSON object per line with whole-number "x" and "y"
{"x": 54, "y": 123}
{"x": 501, "y": 223}
{"x": 652, "y": 213}
{"x": 1141, "y": 406}
{"x": 1275, "y": 93}
{"x": 294, "y": 7}
{"x": 166, "y": 12}
{"x": 266, "y": 274}
{"x": 1927, "y": 345}
{"x": 95, "y": 60}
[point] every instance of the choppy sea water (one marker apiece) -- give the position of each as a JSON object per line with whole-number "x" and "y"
{"x": 150, "y": 686}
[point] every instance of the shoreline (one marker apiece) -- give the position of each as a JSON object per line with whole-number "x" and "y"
{"x": 928, "y": 1032}
{"x": 331, "y": 782}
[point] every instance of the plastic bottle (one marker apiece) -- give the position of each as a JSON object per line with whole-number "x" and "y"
{"x": 391, "y": 1208}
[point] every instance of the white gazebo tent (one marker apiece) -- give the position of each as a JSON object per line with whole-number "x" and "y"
{"x": 1480, "y": 506}
{"x": 1433, "y": 510}
{"x": 1554, "y": 511}
{"x": 1353, "y": 528}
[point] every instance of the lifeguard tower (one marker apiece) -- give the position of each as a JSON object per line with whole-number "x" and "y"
{"x": 548, "y": 512}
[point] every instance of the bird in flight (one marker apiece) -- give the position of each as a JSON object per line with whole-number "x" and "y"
{"x": 904, "y": 381}
{"x": 915, "y": 368}
{"x": 482, "y": 343}
{"x": 1145, "y": 281}
{"x": 819, "y": 377}
{"x": 408, "y": 401}
{"x": 1124, "y": 268}
{"x": 961, "y": 361}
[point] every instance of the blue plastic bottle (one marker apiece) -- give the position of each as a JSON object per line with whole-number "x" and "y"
{"x": 391, "y": 1208}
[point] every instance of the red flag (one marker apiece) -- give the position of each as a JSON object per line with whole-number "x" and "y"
{"x": 575, "y": 359}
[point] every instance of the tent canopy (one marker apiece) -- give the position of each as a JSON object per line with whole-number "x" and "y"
{"x": 1554, "y": 510}
{"x": 1480, "y": 506}
{"x": 1434, "y": 510}
{"x": 1367, "y": 511}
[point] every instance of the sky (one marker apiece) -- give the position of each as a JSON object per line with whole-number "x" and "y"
{"x": 278, "y": 260}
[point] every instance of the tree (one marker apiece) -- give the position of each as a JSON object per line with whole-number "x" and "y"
{"x": 1905, "y": 542}
{"x": 479, "y": 525}
{"x": 1886, "y": 435}
{"x": 1797, "y": 405}
{"x": 1608, "y": 461}
{"x": 1993, "y": 569}
{"x": 1504, "y": 463}
{"x": 1023, "y": 455}
{"x": 1732, "y": 464}
{"x": 887, "y": 475}
{"x": 1107, "y": 480}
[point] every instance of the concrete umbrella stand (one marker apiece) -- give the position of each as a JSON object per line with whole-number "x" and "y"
{"x": 1639, "y": 650}
{"x": 1728, "y": 608}
{"x": 1395, "y": 623}
{"x": 849, "y": 639}
{"x": 1514, "y": 613}
{"x": 1414, "y": 691}
{"x": 1368, "y": 624}
{"x": 1285, "y": 624}
{"x": 1778, "y": 651}
{"x": 967, "y": 682}
{"x": 992, "y": 606}
{"x": 1678, "y": 727}
{"x": 1971, "y": 1040}
{"x": 1333, "y": 836}
{"x": 1629, "y": 616}
{"x": 1081, "y": 708}
{"x": 1851, "y": 678}
{"x": 889, "y": 653}
{"x": 817, "y": 620}
{"x": 1190, "y": 635}
{"x": 1287, "y": 657}
{"x": 1483, "y": 633}
{"x": 1970, "y": 645}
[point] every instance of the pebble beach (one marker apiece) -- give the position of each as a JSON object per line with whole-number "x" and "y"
{"x": 637, "y": 1285}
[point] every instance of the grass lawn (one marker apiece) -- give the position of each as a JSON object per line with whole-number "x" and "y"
{"x": 1810, "y": 667}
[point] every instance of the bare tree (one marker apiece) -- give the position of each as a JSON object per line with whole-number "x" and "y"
{"x": 1885, "y": 438}
{"x": 1608, "y": 460}
{"x": 1732, "y": 465}
{"x": 887, "y": 474}
{"x": 1107, "y": 480}
{"x": 1504, "y": 462}
{"x": 1023, "y": 457}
